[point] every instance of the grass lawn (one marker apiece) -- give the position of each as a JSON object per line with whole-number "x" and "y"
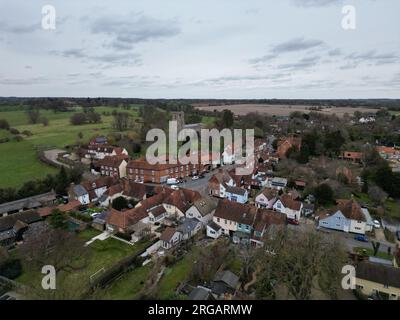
{"x": 370, "y": 253}
{"x": 392, "y": 208}
{"x": 128, "y": 286}
{"x": 104, "y": 254}
{"x": 88, "y": 234}
{"x": 174, "y": 275}
{"x": 18, "y": 162}
{"x": 206, "y": 120}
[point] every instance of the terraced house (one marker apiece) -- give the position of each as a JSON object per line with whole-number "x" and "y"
{"x": 347, "y": 216}
{"x": 141, "y": 170}
{"x": 245, "y": 223}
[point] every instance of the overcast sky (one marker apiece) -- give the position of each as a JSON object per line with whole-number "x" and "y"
{"x": 201, "y": 49}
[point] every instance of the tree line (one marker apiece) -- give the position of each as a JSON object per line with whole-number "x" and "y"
{"x": 58, "y": 182}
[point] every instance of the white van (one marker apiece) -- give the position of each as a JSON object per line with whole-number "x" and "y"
{"x": 172, "y": 181}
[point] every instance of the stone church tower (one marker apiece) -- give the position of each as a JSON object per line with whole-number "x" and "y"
{"x": 179, "y": 117}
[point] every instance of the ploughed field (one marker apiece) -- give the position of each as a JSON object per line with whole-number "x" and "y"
{"x": 280, "y": 110}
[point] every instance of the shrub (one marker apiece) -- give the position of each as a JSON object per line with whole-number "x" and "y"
{"x": 78, "y": 119}
{"x": 44, "y": 121}
{"x": 27, "y": 133}
{"x": 14, "y": 131}
{"x": 11, "y": 269}
{"x": 389, "y": 235}
{"x": 18, "y": 138}
{"x": 4, "y": 124}
{"x": 4, "y": 140}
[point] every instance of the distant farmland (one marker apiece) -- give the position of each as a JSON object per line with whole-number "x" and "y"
{"x": 280, "y": 110}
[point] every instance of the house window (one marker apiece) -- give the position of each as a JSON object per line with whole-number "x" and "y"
{"x": 226, "y": 221}
{"x": 218, "y": 219}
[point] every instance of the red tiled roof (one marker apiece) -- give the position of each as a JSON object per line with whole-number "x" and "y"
{"x": 168, "y": 234}
{"x": 265, "y": 218}
{"x": 72, "y": 205}
{"x": 351, "y": 209}
{"x": 240, "y": 213}
{"x": 288, "y": 202}
{"x": 182, "y": 199}
{"x": 112, "y": 161}
{"x": 45, "y": 211}
{"x": 127, "y": 218}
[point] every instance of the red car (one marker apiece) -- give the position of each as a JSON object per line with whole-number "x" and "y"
{"x": 293, "y": 221}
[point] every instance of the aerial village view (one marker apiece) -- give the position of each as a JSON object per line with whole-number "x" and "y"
{"x": 205, "y": 151}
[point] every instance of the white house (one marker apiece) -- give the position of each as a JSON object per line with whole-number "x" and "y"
{"x": 90, "y": 191}
{"x": 202, "y": 210}
{"x": 236, "y": 194}
{"x": 157, "y": 214}
{"x": 218, "y": 182}
{"x": 170, "y": 238}
{"x": 213, "y": 230}
{"x": 291, "y": 208}
{"x": 348, "y": 216}
{"x": 266, "y": 199}
{"x": 99, "y": 152}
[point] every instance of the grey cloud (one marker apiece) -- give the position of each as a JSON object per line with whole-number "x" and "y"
{"x": 304, "y": 63}
{"x": 297, "y": 44}
{"x": 23, "y": 81}
{"x": 126, "y": 31}
{"x": 127, "y": 58}
{"x": 293, "y": 45}
{"x": 315, "y": 3}
{"x": 373, "y": 57}
{"x": 19, "y": 29}
{"x": 334, "y": 52}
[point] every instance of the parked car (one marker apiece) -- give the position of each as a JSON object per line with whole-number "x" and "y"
{"x": 201, "y": 176}
{"x": 377, "y": 224}
{"x": 195, "y": 178}
{"x": 361, "y": 237}
{"x": 95, "y": 214}
{"x": 174, "y": 187}
{"x": 293, "y": 221}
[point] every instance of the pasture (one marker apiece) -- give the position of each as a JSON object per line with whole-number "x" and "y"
{"x": 18, "y": 161}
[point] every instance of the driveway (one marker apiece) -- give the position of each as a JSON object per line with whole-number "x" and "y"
{"x": 52, "y": 156}
{"x": 346, "y": 238}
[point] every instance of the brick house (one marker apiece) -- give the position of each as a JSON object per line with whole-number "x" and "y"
{"x": 114, "y": 166}
{"x": 142, "y": 171}
{"x": 285, "y": 144}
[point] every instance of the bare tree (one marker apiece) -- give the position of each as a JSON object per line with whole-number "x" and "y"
{"x": 55, "y": 247}
{"x": 301, "y": 261}
{"x": 33, "y": 116}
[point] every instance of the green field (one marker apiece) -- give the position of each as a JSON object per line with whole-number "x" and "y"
{"x": 18, "y": 162}
{"x": 127, "y": 287}
{"x": 104, "y": 254}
